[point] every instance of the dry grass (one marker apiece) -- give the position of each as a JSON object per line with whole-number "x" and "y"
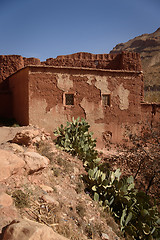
{"x": 21, "y": 199}
{"x": 45, "y": 149}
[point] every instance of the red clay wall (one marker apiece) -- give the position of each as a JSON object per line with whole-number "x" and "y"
{"x": 10, "y": 64}
{"x": 124, "y": 61}
{"x": 42, "y": 101}
{"x": 47, "y": 86}
{"x": 150, "y": 113}
{"x": 19, "y": 87}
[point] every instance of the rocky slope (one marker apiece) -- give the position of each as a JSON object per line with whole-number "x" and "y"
{"x": 42, "y": 194}
{"x": 148, "y": 45}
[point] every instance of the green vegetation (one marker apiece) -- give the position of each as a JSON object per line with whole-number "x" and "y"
{"x": 77, "y": 140}
{"x": 134, "y": 211}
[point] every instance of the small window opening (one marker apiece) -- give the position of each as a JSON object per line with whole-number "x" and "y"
{"x": 69, "y": 99}
{"x": 106, "y": 99}
{"x": 96, "y": 62}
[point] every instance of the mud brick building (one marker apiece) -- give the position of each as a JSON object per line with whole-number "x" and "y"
{"x": 105, "y": 89}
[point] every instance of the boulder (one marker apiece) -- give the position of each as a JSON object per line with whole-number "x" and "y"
{"x": 28, "y": 230}
{"x": 35, "y": 162}
{"x": 10, "y": 164}
{"x": 25, "y": 137}
{"x": 5, "y": 200}
{"x": 7, "y": 215}
{"x": 29, "y": 137}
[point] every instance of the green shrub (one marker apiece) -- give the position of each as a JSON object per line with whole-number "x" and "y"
{"x": 77, "y": 140}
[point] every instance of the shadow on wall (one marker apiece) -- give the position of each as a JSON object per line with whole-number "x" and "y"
{"x": 5, "y": 101}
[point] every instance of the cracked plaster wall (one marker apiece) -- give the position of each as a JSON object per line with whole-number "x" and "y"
{"x": 47, "y": 108}
{"x": 102, "y": 83}
{"x": 64, "y": 82}
{"x": 48, "y": 120}
{"x": 123, "y": 94}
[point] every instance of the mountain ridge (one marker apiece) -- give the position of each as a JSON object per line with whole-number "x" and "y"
{"x": 148, "y": 45}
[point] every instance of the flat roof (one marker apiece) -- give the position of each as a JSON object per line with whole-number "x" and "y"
{"x": 78, "y": 68}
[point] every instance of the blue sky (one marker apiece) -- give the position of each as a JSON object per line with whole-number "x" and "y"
{"x": 48, "y": 28}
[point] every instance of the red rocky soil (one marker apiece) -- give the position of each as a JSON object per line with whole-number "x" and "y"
{"x": 42, "y": 194}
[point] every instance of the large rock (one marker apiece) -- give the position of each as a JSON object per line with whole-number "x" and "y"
{"x": 7, "y": 211}
{"x": 5, "y": 200}
{"x": 10, "y": 164}
{"x": 30, "y": 136}
{"x": 7, "y": 215}
{"x": 29, "y": 230}
{"x": 25, "y": 137}
{"x": 35, "y": 162}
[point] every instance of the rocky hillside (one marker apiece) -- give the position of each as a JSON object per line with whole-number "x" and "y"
{"x": 148, "y": 45}
{"x": 42, "y": 195}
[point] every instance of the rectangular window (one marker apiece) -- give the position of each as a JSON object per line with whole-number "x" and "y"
{"x": 106, "y": 99}
{"x": 69, "y": 99}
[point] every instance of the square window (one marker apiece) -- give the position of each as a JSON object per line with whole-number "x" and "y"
{"x": 69, "y": 99}
{"x": 106, "y": 99}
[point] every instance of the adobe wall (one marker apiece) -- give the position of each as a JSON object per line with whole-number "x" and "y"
{"x": 88, "y": 76}
{"x": 150, "y": 113}
{"x": 46, "y": 99}
{"x": 18, "y": 84}
{"x": 10, "y": 64}
{"x": 124, "y": 61}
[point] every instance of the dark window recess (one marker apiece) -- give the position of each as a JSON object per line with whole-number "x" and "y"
{"x": 69, "y": 99}
{"x": 106, "y": 100}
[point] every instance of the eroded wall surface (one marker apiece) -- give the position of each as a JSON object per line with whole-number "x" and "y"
{"x": 10, "y": 64}
{"x": 150, "y": 114}
{"x": 47, "y": 86}
{"x": 123, "y": 61}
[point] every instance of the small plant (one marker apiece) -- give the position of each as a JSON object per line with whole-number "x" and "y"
{"x": 80, "y": 209}
{"x": 21, "y": 199}
{"x": 44, "y": 149}
{"x": 56, "y": 172}
{"x": 65, "y": 164}
{"x": 60, "y": 161}
{"x": 79, "y": 187}
{"x": 89, "y": 231}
